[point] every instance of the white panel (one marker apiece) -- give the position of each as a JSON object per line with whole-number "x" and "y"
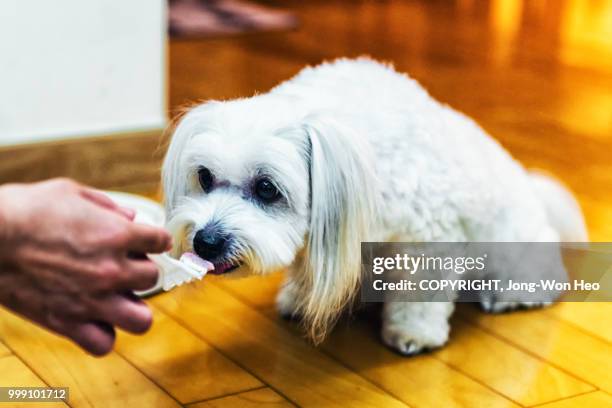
{"x": 80, "y": 67}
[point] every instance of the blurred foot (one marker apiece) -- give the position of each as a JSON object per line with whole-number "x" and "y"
{"x": 212, "y": 18}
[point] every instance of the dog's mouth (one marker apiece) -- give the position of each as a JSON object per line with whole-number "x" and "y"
{"x": 225, "y": 267}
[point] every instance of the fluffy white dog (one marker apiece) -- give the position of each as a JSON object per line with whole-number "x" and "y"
{"x": 346, "y": 152}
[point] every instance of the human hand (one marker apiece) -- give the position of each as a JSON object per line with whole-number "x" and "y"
{"x": 70, "y": 259}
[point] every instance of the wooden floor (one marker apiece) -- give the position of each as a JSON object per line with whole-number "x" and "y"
{"x": 537, "y": 74}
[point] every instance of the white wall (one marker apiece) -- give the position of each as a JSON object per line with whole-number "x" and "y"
{"x": 73, "y": 68}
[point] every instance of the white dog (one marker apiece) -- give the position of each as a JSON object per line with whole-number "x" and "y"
{"x": 346, "y": 152}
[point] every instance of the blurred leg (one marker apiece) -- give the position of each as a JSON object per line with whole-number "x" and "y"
{"x": 208, "y": 18}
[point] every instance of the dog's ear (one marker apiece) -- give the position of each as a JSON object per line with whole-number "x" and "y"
{"x": 174, "y": 177}
{"x": 343, "y": 207}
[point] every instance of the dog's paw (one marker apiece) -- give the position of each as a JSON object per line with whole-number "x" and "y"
{"x": 409, "y": 342}
{"x": 495, "y": 306}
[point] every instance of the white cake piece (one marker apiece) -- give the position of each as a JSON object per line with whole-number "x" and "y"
{"x": 177, "y": 272}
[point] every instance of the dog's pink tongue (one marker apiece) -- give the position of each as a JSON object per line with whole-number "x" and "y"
{"x": 221, "y": 268}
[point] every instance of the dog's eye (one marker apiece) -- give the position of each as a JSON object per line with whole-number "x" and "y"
{"x": 206, "y": 179}
{"x": 266, "y": 191}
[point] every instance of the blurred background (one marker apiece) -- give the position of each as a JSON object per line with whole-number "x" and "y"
{"x": 88, "y": 86}
{"x": 536, "y": 74}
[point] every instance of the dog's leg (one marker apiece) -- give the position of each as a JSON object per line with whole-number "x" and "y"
{"x": 286, "y": 300}
{"x": 412, "y": 327}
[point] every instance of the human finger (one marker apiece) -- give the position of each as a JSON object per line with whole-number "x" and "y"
{"x": 128, "y": 313}
{"x": 101, "y": 199}
{"x": 138, "y": 274}
{"x": 148, "y": 239}
{"x": 96, "y": 338}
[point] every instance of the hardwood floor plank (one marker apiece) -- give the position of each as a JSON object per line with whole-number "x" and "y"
{"x": 553, "y": 340}
{"x": 596, "y": 399}
{"x": 284, "y": 361}
{"x": 183, "y": 364}
{"x": 4, "y": 351}
{"x": 506, "y": 369}
{"x": 93, "y": 382}
{"x": 258, "y": 291}
{"x": 420, "y": 381}
{"x": 264, "y": 397}
{"x": 16, "y": 374}
{"x": 589, "y": 316}
{"x": 599, "y": 219}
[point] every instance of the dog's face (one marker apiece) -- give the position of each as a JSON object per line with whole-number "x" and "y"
{"x": 251, "y": 185}
{"x": 242, "y": 198}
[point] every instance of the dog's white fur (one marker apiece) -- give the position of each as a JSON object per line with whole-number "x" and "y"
{"x": 359, "y": 153}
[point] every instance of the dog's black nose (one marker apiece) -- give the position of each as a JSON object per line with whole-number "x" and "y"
{"x": 209, "y": 244}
